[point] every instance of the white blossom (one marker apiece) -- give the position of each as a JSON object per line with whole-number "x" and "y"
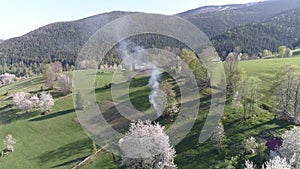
{"x": 146, "y": 145}
{"x": 277, "y": 163}
{"x": 7, "y": 78}
{"x": 249, "y": 165}
{"x": 34, "y": 100}
{"x": 218, "y": 136}
{"x": 46, "y": 101}
{"x": 9, "y": 142}
{"x": 290, "y": 148}
{"x": 21, "y": 99}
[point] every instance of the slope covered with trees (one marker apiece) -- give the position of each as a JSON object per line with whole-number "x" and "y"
{"x": 58, "y": 41}
{"x": 216, "y": 23}
{"x": 62, "y": 41}
{"x": 254, "y": 38}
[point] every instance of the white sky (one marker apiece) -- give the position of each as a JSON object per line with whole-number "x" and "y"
{"x": 18, "y": 17}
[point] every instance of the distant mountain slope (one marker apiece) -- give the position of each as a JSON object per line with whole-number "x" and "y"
{"x": 62, "y": 40}
{"x": 207, "y": 9}
{"x": 216, "y": 23}
{"x": 1, "y": 40}
{"x": 282, "y": 29}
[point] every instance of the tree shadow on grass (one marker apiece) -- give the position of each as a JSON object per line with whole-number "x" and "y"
{"x": 56, "y": 95}
{"x": 66, "y": 152}
{"x": 70, "y": 162}
{"x": 13, "y": 114}
{"x": 6, "y": 107}
{"x": 53, "y": 115}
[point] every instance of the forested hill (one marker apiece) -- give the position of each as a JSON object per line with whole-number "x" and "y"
{"x": 216, "y": 23}
{"x": 62, "y": 41}
{"x": 58, "y": 41}
{"x": 282, "y": 29}
{"x": 206, "y": 9}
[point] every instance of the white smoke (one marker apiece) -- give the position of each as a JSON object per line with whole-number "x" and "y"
{"x": 135, "y": 57}
{"x": 156, "y": 96}
{"x": 132, "y": 55}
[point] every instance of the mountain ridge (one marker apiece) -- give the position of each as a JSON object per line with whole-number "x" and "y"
{"x": 63, "y": 40}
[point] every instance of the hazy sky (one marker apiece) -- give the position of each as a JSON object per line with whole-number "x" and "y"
{"x": 18, "y": 17}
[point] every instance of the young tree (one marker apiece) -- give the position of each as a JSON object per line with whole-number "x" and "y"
{"x": 247, "y": 93}
{"x": 233, "y": 73}
{"x": 9, "y": 143}
{"x": 281, "y": 51}
{"x": 50, "y": 77}
{"x": 65, "y": 83}
{"x": 250, "y": 144}
{"x": 197, "y": 68}
{"x": 290, "y": 148}
{"x": 79, "y": 101}
{"x": 146, "y": 145}
{"x": 218, "y": 136}
{"x": 266, "y": 53}
{"x": 46, "y": 102}
{"x": 171, "y": 107}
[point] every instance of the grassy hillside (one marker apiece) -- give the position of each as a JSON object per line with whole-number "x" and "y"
{"x": 56, "y": 141}
{"x": 267, "y": 68}
{"x": 49, "y": 141}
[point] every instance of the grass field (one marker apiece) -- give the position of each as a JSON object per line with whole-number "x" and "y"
{"x": 56, "y": 141}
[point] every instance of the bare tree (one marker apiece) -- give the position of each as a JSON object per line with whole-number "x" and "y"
{"x": 247, "y": 93}
{"x": 297, "y": 100}
{"x": 286, "y": 89}
{"x": 49, "y": 77}
{"x": 51, "y": 73}
{"x": 233, "y": 73}
{"x": 146, "y": 145}
{"x": 65, "y": 83}
{"x": 171, "y": 107}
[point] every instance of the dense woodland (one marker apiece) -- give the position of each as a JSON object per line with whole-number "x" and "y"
{"x": 280, "y": 30}
{"x": 274, "y": 22}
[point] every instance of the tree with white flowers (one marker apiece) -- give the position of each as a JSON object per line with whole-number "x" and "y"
{"x": 218, "y": 136}
{"x": 290, "y": 148}
{"x": 277, "y": 163}
{"x": 146, "y": 145}
{"x": 34, "y": 99}
{"x": 22, "y": 101}
{"x": 9, "y": 143}
{"x": 249, "y": 165}
{"x": 46, "y": 102}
